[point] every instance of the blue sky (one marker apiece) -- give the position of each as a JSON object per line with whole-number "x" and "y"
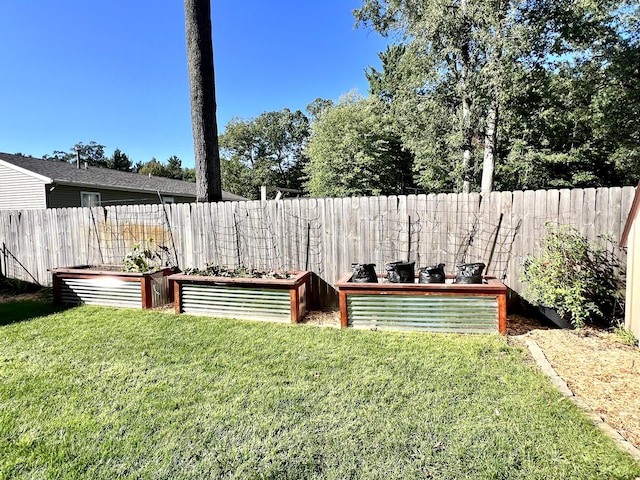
{"x": 115, "y": 71}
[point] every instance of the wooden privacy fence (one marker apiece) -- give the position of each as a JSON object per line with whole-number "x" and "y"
{"x": 324, "y": 235}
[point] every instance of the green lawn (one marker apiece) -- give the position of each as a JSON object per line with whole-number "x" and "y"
{"x": 103, "y": 393}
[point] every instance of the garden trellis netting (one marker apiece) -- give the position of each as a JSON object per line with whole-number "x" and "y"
{"x": 115, "y": 231}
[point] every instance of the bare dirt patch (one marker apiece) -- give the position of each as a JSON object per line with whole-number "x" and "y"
{"x": 318, "y": 318}
{"x": 6, "y": 297}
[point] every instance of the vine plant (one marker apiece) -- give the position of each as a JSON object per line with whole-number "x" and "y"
{"x": 143, "y": 257}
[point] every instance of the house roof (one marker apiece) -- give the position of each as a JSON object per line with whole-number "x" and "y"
{"x": 633, "y": 213}
{"x": 63, "y": 173}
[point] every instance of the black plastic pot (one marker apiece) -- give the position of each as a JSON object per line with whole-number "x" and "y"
{"x": 400, "y": 272}
{"x": 470, "y": 273}
{"x": 364, "y": 273}
{"x": 432, "y": 274}
{"x": 553, "y": 316}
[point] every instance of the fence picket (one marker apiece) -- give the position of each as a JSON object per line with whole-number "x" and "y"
{"x": 324, "y": 235}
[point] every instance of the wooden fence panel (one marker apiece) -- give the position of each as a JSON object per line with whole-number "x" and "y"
{"x": 516, "y": 254}
{"x": 324, "y": 235}
{"x": 589, "y": 213}
{"x": 539, "y": 218}
{"x": 614, "y": 226}
{"x": 564, "y": 214}
{"x": 423, "y": 235}
{"x": 577, "y": 204}
{"x": 335, "y": 221}
{"x": 500, "y": 250}
{"x": 484, "y": 231}
{"x": 601, "y": 212}
{"x": 413, "y": 234}
{"x": 379, "y": 222}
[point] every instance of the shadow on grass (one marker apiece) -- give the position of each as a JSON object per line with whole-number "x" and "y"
{"x": 22, "y": 310}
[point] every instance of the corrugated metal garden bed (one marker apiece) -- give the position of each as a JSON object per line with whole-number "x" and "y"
{"x": 444, "y": 307}
{"x": 106, "y": 285}
{"x": 283, "y": 300}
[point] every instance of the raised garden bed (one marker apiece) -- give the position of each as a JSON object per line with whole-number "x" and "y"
{"x": 275, "y": 299}
{"x": 438, "y": 307}
{"x": 107, "y": 285}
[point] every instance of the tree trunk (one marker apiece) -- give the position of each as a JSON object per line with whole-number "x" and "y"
{"x": 203, "y": 100}
{"x": 491, "y": 129}
{"x": 467, "y": 133}
{"x": 466, "y": 152}
{"x": 490, "y": 144}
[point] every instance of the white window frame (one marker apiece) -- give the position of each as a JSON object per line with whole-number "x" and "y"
{"x": 90, "y": 199}
{"x": 168, "y": 200}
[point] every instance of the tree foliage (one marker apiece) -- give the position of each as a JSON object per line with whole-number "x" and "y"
{"x": 545, "y": 86}
{"x": 315, "y": 108}
{"x": 583, "y": 132}
{"x": 92, "y": 153}
{"x": 171, "y": 169}
{"x": 354, "y": 150}
{"x": 119, "y": 161}
{"x": 266, "y": 150}
{"x": 448, "y": 70}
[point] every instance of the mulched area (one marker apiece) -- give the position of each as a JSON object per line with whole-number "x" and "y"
{"x": 596, "y": 365}
{"x": 322, "y": 318}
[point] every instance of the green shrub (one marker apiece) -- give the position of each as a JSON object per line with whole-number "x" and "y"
{"x": 575, "y": 276}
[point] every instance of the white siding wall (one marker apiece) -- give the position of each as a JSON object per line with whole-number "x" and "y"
{"x": 632, "y": 313}
{"x": 19, "y": 191}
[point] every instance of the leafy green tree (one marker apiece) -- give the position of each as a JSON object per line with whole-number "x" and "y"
{"x": 243, "y": 171}
{"x": 91, "y": 153}
{"x": 450, "y": 84}
{"x": 174, "y": 168}
{"x": 453, "y": 53}
{"x": 137, "y": 166}
{"x": 354, "y": 150}
{"x": 153, "y": 167}
{"x": 315, "y": 108}
{"x": 119, "y": 161}
{"x": 189, "y": 175}
{"x": 271, "y": 147}
{"x": 57, "y": 156}
{"x": 584, "y": 132}
{"x": 237, "y": 177}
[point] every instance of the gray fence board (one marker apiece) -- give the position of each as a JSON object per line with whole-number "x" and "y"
{"x": 324, "y": 235}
